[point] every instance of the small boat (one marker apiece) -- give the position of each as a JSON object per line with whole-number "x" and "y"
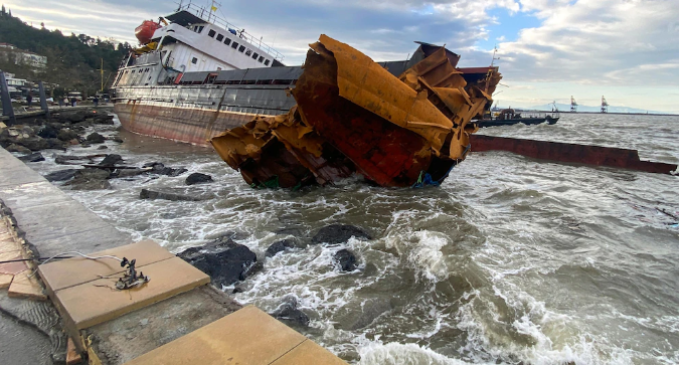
{"x": 511, "y": 117}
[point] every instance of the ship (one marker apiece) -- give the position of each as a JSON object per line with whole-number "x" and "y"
{"x": 511, "y": 116}
{"x": 196, "y": 75}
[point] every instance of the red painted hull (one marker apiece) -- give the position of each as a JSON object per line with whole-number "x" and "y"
{"x": 189, "y": 125}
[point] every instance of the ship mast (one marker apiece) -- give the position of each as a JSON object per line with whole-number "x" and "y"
{"x": 573, "y": 104}
{"x": 605, "y": 105}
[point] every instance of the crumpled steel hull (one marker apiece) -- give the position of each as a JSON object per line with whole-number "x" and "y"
{"x": 354, "y": 116}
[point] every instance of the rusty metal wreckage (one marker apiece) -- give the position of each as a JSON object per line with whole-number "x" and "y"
{"x": 354, "y": 116}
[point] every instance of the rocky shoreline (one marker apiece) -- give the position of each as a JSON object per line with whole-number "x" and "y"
{"x": 227, "y": 262}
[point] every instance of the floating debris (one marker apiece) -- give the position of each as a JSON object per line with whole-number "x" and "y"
{"x": 354, "y": 116}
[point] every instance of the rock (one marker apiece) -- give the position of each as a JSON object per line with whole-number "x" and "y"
{"x": 33, "y": 157}
{"x": 339, "y": 233}
{"x": 345, "y": 259}
{"x": 279, "y": 246}
{"x": 48, "y": 131}
{"x": 124, "y": 173}
{"x": 288, "y": 311}
{"x": 67, "y": 135}
{"x": 90, "y": 179}
{"x": 198, "y": 178}
{"x": 16, "y": 148}
{"x": 117, "y": 140}
{"x": 61, "y": 175}
{"x": 111, "y": 160}
{"x": 150, "y": 194}
{"x": 103, "y": 119}
{"x": 95, "y": 138}
{"x": 55, "y": 144}
{"x": 34, "y": 143}
{"x": 224, "y": 260}
{"x": 160, "y": 169}
{"x": 68, "y": 160}
{"x": 102, "y": 148}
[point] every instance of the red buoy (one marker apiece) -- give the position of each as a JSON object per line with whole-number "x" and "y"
{"x": 145, "y": 32}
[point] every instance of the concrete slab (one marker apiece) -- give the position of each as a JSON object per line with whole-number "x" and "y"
{"x": 26, "y": 285}
{"x": 5, "y": 280}
{"x": 15, "y": 176}
{"x": 88, "y": 241}
{"x": 246, "y": 337}
{"x": 62, "y": 274}
{"x": 59, "y": 219}
{"x": 309, "y": 353}
{"x": 33, "y": 194}
{"x": 98, "y": 301}
{"x": 125, "y": 338}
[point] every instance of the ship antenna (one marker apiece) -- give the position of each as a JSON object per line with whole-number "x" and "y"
{"x": 494, "y": 58}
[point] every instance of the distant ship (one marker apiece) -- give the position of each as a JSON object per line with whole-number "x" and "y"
{"x": 196, "y": 75}
{"x": 511, "y": 117}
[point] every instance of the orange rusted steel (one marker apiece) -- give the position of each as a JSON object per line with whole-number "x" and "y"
{"x": 571, "y": 153}
{"x": 353, "y": 115}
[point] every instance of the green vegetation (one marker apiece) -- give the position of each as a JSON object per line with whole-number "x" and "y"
{"x": 73, "y": 61}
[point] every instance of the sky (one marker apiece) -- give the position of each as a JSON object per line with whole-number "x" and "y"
{"x": 548, "y": 50}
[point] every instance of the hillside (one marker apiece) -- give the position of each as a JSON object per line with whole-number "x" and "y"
{"x": 73, "y": 61}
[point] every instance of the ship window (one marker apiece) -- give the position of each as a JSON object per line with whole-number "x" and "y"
{"x": 261, "y": 59}
{"x": 219, "y": 38}
{"x": 227, "y": 41}
{"x": 255, "y": 55}
{"x": 241, "y": 49}
{"x": 194, "y": 60}
{"x": 200, "y": 29}
{"x": 266, "y": 62}
{"x": 249, "y": 52}
{"x": 211, "y": 33}
{"x": 234, "y": 45}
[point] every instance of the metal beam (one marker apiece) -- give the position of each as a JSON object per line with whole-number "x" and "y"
{"x": 7, "y": 109}
{"x": 43, "y": 99}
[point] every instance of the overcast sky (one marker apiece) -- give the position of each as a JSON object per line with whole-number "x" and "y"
{"x": 549, "y": 50}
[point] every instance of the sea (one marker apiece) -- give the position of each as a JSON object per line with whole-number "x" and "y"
{"x": 510, "y": 261}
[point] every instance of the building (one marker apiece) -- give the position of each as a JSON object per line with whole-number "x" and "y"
{"x": 26, "y": 57}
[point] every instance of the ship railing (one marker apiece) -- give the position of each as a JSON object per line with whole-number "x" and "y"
{"x": 211, "y": 18}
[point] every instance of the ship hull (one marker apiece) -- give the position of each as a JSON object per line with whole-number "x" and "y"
{"x": 194, "y": 114}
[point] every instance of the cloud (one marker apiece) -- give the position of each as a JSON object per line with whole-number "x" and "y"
{"x": 577, "y": 46}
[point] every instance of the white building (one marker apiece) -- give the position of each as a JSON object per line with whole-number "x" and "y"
{"x": 20, "y": 56}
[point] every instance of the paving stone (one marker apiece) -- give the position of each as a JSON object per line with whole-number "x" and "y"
{"x": 72, "y": 356}
{"x": 13, "y": 267}
{"x": 309, "y": 353}
{"x": 62, "y": 274}
{"x": 98, "y": 301}
{"x": 5, "y": 280}
{"x": 23, "y": 286}
{"x": 246, "y": 337}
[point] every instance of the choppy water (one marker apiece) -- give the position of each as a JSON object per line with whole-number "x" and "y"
{"x": 511, "y": 260}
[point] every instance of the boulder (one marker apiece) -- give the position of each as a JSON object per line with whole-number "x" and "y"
{"x": 111, "y": 160}
{"x": 48, "y": 131}
{"x": 16, "y": 148}
{"x": 61, "y": 175}
{"x": 279, "y": 246}
{"x": 67, "y": 135}
{"x": 339, "y": 233}
{"x": 345, "y": 259}
{"x": 150, "y": 194}
{"x": 102, "y": 147}
{"x": 288, "y": 311}
{"x": 160, "y": 169}
{"x": 34, "y": 143}
{"x": 33, "y": 157}
{"x": 68, "y": 160}
{"x": 198, "y": 178}
{"x": 55, "y": 144}
{"x": 226, "y": 261}
{"x": 117, "y": 140}
{"x": 90, "y": 179}
{"x": 95, "y": 138}
{"x": 125, "y": 173}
